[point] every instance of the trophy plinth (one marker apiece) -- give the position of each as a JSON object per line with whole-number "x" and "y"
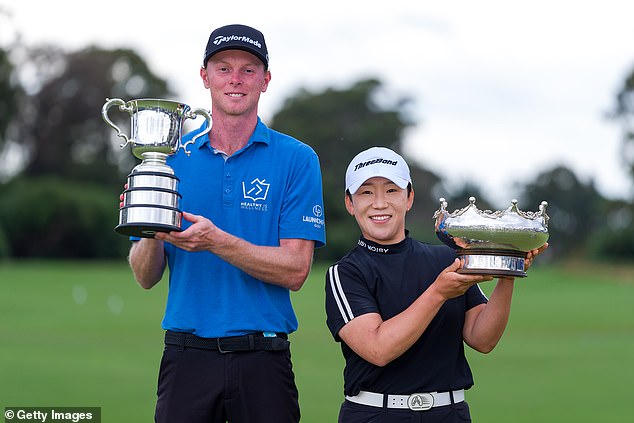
{"x": 492, "y": 243}
{"x": 151, "y": 202}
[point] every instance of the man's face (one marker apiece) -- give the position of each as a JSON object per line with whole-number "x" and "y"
{"x": 379, "y": 206}
{"x": 236, "y": 79}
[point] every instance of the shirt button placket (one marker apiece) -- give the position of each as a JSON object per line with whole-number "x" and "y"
{"x": 227, "y": 186}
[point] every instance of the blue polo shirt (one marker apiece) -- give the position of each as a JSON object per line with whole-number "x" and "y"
{"x": 267, "y": 191}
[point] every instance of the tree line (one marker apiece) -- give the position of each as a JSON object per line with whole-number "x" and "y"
{"x": 62, "y": 170}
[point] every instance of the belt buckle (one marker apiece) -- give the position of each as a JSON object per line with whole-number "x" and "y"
{"x": 420, "y": 402}
{"x": 220, "y": 350}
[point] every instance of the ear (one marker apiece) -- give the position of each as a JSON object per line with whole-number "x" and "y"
{"x": 349, "y": 204}
{"x": 267, "y": 79}
{"x": 204, "y": 77}
{"x": 410, "y": 200}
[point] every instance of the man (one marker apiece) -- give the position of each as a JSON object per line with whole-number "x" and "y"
{"x": 401, "y": 310}
{"x": 253, "y": 216}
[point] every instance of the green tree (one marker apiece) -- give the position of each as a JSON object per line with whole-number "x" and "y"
{"x": 64, "y": 202}
{"x": 11, "y": 94}
{"x": 614, "y": 241}
{"x": 624, "y": 113}
{"x": 575, "y": 209}
{"x": 340, "y": 123}
{"x": 63, "y": 132}
{"x": 48, "y": 216}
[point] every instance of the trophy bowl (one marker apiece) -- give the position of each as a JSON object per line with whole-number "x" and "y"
{"x": 492, "y": 242}
{"x": 151, "y": 200}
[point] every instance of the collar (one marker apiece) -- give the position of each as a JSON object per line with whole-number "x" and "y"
{"x": 260, "y": 134}
{"x": 376, "y": 248}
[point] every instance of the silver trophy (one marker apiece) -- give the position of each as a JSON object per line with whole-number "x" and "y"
{"x": 492, "y": 242}
{"x": 151, "y": 200}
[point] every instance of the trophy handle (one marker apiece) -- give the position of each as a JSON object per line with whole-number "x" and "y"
{"x": 104, "y": 113}
{"x": 191, "y": 115}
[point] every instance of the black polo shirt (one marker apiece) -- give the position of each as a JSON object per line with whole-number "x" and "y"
{"x": 386, "y": 279}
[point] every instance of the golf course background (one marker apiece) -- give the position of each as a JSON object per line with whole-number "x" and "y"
{"x": 83, "y": 334}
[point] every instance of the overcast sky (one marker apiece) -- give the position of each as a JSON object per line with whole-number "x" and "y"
{"x": 502, "y": 90}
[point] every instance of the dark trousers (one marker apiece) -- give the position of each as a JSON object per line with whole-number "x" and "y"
{"x": 197, "y": 385}
{"x": 357, "y": 413}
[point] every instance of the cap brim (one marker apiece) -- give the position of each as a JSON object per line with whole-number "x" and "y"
{"x": 224, "y": 48}
{"x": 400, "y": 182}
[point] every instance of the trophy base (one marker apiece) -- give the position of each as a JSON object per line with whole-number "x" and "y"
{"x": 147, "y": 230}
{"x": 145, "y": 220}
{"x": 496, "y": 263}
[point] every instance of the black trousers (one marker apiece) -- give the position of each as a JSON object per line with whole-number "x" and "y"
{"x": 197, "y": 385}
{"x": 357, "y": 413}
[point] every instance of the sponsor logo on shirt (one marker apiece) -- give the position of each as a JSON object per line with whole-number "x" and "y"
{"x": 317, "y": 218}
{"x": 373, "y": 248}
{"x": 256, "y": 191}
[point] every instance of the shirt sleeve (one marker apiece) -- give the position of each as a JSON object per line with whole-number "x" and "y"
{"x": 475, "y": 296}
{"x": 347, "y": 296}
{"x": 303, "y": 209}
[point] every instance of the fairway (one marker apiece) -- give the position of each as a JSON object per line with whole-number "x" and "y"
{"x": 83, "y": 334}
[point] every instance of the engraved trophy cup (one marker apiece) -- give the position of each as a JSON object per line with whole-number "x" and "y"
{"x": 151, "y": 200}
{"x": 492, "y": 242}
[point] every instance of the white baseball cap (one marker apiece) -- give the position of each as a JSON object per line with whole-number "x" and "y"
{"x": 377, "y": 161}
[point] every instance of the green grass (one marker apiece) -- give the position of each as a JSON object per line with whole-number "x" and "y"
{"x": 566, "y": 355}
{"x": 83, "y": 334}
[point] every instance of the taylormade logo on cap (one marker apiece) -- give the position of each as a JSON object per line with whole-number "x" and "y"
{"x": 221, "y": 38}
{"x": 377, "y": 162}
{"x": 240, "y": 37}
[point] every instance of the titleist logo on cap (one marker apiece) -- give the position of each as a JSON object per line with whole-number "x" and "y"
{"x": 224, "y": 38}
{"x": 375, "y": 161}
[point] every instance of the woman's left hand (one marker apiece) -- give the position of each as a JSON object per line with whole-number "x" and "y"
{"x": 530, "y": 256}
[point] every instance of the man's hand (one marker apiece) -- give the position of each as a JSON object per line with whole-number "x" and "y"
{"x": 125, "y": 186}
{"x": 200, "y": 236}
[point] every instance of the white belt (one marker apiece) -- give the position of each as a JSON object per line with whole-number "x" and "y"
{"x": 416, "y": 402}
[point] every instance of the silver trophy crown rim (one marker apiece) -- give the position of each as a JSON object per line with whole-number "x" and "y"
{"x": 511, "y": 229}
{"x": 492, "y": 242}
{"x": 540, "y": 216}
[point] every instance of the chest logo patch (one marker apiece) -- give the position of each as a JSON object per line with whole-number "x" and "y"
{"x": 256, "y": 190}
